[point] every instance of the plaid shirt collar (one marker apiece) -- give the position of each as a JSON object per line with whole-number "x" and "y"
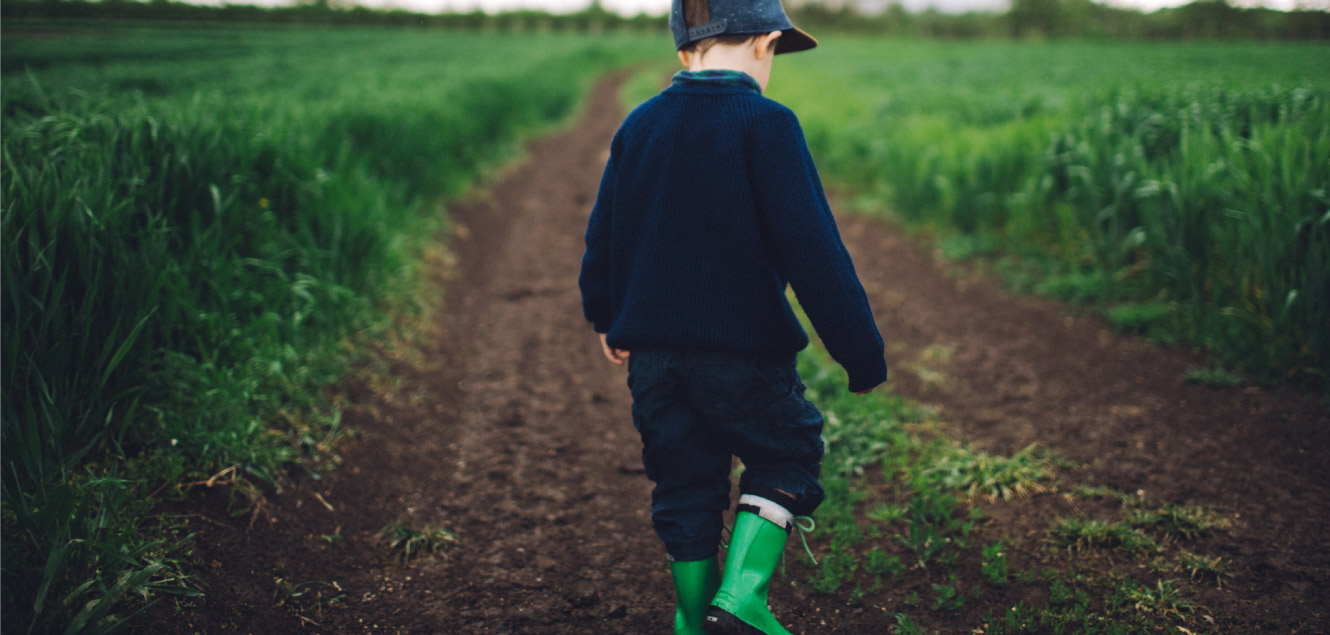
{"x": 715, "y": 77}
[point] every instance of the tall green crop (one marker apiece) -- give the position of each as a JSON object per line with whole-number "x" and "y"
{"x": 195, "y": 223}
{"x": 1192, "y": 177}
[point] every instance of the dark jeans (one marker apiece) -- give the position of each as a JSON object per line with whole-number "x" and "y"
{"x": 694, "y": 411}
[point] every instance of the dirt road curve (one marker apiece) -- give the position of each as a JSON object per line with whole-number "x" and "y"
{"x": 515, "y": 435}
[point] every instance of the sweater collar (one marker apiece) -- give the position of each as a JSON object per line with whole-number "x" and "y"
{"x": 716, "y": 78}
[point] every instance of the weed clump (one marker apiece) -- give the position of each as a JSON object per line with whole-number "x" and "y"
{"x": 1187, "y": 521}
{"x": 1079, "y": 534}
{"x": 992, "y": 476}
{"x": 406, "y": 543}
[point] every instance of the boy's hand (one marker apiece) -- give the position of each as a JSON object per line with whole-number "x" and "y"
{"x": 615, "y": 355}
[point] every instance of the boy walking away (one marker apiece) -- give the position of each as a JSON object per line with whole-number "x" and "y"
{"x": 708, "y": 208}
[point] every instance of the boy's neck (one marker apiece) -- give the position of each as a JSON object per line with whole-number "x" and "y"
{"x": 723, "y": 58}
{"x": 739, "y": 57}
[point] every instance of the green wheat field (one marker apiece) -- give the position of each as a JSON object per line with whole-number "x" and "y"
{"x": 1183, "y": 186}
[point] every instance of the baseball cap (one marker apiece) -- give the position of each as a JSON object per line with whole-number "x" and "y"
{"x": 741, "y": 17}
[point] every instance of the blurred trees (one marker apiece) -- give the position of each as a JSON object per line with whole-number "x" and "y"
{"x": 1073, "y": 18}
{"x": 331, "y": 12}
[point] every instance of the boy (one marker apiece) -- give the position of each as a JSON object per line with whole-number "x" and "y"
{"x": 709, "y": 206}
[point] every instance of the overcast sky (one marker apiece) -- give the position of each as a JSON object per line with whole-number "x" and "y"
{"x": 660, "y": 7}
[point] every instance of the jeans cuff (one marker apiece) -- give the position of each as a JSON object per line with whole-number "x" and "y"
{"x": 801, "y": 504}
{"x": 693, "y": 550}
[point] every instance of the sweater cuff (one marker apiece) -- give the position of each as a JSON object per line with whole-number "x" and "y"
{"x": 867, "y": 378}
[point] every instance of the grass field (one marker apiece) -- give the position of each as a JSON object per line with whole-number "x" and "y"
{"x": 201, "y": 226}
{"x": 1183, "y": 188}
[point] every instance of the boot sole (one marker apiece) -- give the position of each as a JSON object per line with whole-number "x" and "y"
{"x": 722, "y": 622}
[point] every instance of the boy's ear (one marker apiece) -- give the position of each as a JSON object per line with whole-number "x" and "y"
{"x": 683, "y": 58}
{"x": 766, "y": 45}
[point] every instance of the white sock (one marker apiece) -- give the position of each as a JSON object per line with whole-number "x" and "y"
{"x": 768, "y": 509}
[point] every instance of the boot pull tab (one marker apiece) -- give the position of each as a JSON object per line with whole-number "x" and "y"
{"x": 803, "y": 531}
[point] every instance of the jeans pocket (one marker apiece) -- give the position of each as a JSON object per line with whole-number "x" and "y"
{"x": 737, "y": 389}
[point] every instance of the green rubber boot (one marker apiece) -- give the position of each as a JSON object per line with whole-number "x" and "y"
{"x": 695, "y": 583}
{"x": 740, "y": 606}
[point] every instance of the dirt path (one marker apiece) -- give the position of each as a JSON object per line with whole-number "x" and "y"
{"x": 516, "y": 437}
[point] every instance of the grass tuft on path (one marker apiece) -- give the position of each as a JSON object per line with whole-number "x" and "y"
{"x": 934, "y": 533}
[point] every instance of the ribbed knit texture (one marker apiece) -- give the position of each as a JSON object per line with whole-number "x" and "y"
{"x": 709, "y": 205}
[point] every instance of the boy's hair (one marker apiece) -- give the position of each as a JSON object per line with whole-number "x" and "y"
{"x": 698, "y": 12}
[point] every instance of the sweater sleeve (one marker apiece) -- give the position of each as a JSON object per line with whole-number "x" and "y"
{"x": 594, "y": 279}
{"x": 807, "y": 249}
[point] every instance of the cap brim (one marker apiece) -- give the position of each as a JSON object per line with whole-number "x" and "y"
{"x": 793, "y": 40}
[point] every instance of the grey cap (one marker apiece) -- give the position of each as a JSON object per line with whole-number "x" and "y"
{"x": 741, "y": 17}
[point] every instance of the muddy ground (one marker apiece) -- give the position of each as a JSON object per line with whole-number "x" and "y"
{"x": 514, "y": 434}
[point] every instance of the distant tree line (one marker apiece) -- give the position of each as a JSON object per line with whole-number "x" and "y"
{"x": 1025, "y": 19}
{"x": 1080, "y": 18}
{"x": 322, "y": 12}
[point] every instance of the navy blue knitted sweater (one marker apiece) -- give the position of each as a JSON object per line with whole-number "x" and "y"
{"x": 709, "y": 205}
